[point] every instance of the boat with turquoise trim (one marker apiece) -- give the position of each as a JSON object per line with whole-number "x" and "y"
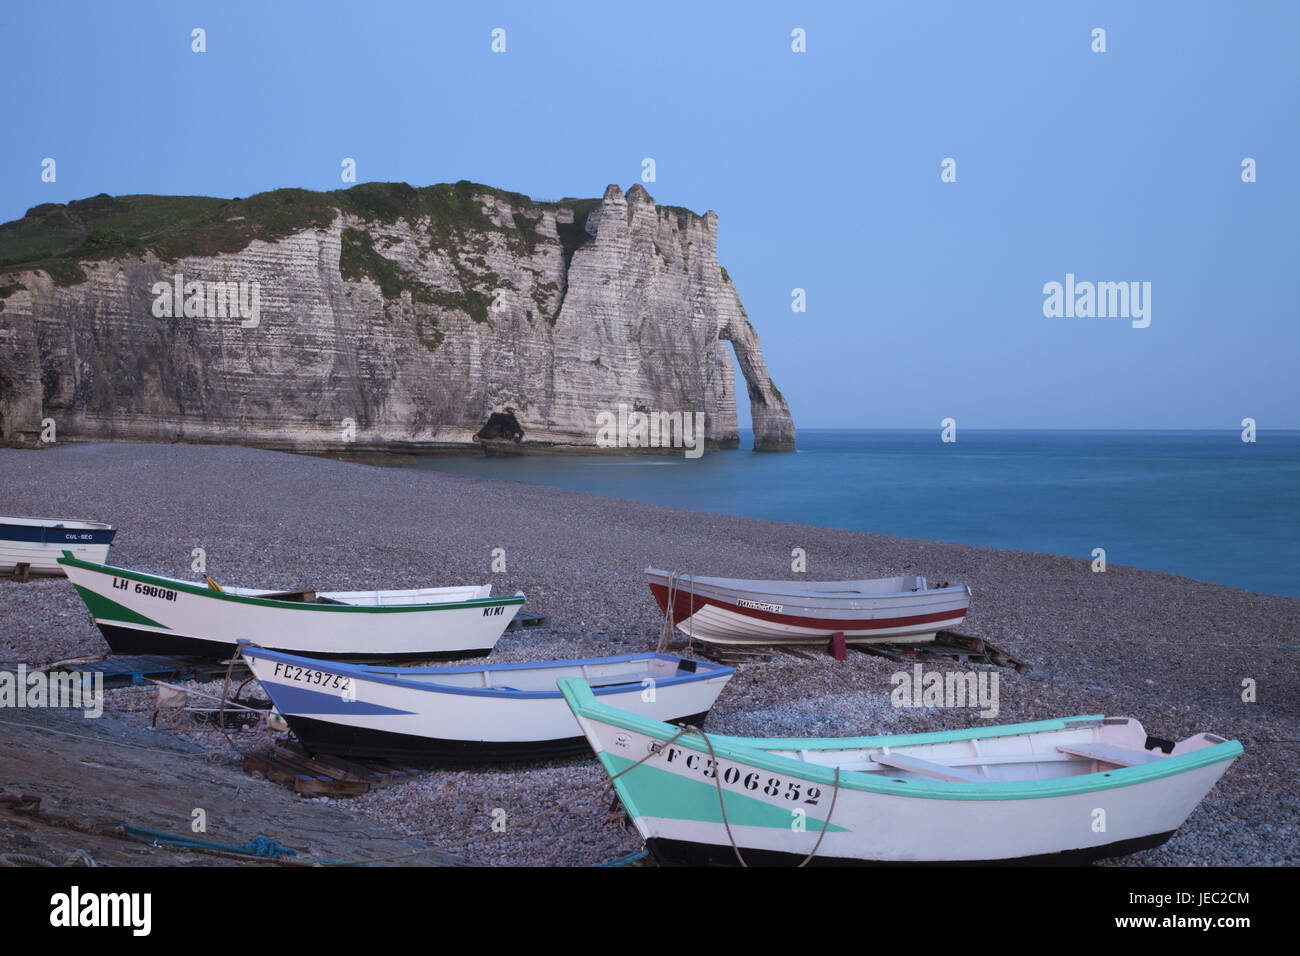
{"x": 471, "y": 713}
{"x": 142, "y": 613}
{"x": 39, "y": 542}
{"x": 1055, "y": 791}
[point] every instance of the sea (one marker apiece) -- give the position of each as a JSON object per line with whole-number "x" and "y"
{"x": 1202, "y": 504}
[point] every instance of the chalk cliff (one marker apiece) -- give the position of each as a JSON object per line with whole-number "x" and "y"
{"x": 379, "y": 317}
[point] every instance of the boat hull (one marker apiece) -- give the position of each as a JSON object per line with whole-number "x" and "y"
{"x": 452, "y": 715}
{"x": 39, "y": 544}
{"x": 668, "y": 852}
{"x": 145, "y": 614}
{"x": 326, "y": 737}
{"x": 723, "y": 614}
{"x": 777, "y": 806}
{"x": 128, "y": 640}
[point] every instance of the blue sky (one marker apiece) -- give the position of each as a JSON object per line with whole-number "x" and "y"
{"x": 924, "y": 298}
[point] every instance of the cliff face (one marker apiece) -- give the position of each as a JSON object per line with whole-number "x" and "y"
{"x": 410, "y": 319}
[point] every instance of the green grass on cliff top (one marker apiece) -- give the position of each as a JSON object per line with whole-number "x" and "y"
{"x": 56, "y": 237}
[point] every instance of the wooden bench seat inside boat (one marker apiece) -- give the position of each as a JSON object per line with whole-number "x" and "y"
{"x": 306, "y": 596}
{"x": 613, "y": 680}
{"x": 952, "y": 763}
{"x": 927, "y": 767}
{"x": 1111, "y": 754}
{"x": 303, "y": 597}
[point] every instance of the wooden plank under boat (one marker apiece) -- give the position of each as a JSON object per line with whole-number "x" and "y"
{"x": 739, "y": 611}
{"x": 142, "y": 613}
{"x": 1051, "y": 791}
{"x": 471, "y": 713}
{"x": 40, "y": 542}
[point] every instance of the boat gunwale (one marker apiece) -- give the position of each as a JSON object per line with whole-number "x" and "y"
{"x": 54, "y": 523}
{"x": 684, "y": 582}
{"x": 204, "y": 591}
{"x": 705, "y": 670}
{"x": 583, "y": 703}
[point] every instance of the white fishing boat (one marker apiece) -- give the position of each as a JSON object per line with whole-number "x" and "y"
{"x": 40, "y": 542}
{"x": 896, "y": 610}
{"x": 1052, "y": 791}
{"x": 149, "y": 614}
{"x": 502, "y": 712}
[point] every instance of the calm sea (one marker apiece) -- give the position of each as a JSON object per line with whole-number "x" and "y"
{"x": 1201, "y": 504}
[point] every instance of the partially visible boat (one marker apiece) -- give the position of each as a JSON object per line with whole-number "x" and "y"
{"x": 1051, "y": 791}
{"x": 458, "y": 714}
{"x": 898, "y": 610}
{"x": 39, "y": 542}
{"x": 142, "y": 613}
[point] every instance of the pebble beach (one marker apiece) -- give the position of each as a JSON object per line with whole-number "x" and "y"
{"x": 1172, "y": 652}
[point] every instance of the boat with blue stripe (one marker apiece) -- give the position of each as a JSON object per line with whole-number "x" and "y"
{"x": 40, "y": 542}
{"x": 473, "y": 713}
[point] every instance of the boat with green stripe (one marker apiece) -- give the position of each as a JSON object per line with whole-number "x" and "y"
{"x": 140, "y": 613}
{"x": 1054, "y": 791}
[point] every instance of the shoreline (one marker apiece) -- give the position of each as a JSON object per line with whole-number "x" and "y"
{"x": 1170, "y": 651}
{"x": 399, "y": 456}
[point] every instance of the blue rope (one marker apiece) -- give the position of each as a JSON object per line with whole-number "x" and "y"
{"x": 260, "y": 846}
{"x": 625, "y": 860}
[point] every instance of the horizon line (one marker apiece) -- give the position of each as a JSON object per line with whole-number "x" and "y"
{"x": 971, "y": 428}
